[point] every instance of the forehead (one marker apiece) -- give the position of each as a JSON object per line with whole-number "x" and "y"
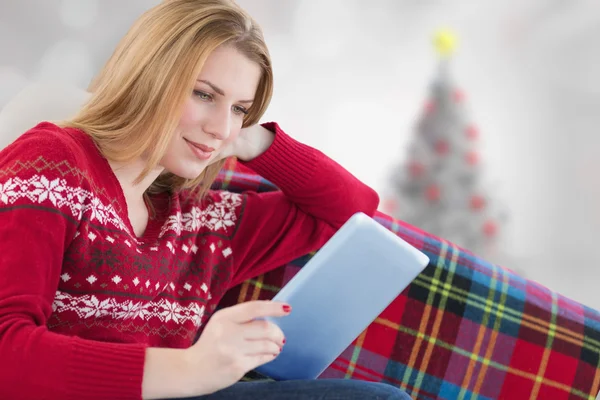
{"x": 232, "y": 71}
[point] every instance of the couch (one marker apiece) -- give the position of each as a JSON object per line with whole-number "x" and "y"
{"x": 464, "y": 329}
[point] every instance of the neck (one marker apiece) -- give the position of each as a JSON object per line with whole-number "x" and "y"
{"x": 127, "y": 175}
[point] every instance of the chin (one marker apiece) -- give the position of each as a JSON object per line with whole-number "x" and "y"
{"x": 187, "y": 171}
{"x": 190, "y": 174}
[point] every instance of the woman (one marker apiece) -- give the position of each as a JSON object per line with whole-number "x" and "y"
{"x": 115, "y": 252}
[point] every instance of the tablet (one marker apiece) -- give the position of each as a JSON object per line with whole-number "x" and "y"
{"x": 342, "y": 289}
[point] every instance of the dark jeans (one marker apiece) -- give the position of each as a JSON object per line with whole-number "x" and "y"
{"x": 320, "y": 389}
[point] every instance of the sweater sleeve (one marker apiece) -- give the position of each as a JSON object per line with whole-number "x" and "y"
{"x": 317, "y": 196}
{"x": 40, "y": 209}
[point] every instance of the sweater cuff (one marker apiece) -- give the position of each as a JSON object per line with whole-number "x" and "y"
{"x": 106, "y": 371}
{"x": 287, "y": 163}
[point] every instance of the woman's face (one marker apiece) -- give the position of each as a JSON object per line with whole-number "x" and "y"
{"x": 213, "y": 113}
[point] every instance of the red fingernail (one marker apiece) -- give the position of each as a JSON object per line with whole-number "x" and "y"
{"x": 287, "y": 308}
{"x": 283, "y": 341}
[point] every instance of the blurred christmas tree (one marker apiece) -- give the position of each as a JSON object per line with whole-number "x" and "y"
{"x": 440, "y": 188}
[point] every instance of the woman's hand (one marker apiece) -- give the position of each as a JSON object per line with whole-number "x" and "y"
{"x": 250, "y": 143}
{"x": 236, "y": 340}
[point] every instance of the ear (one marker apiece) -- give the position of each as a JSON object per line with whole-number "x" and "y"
{"x": 38, "y": 102}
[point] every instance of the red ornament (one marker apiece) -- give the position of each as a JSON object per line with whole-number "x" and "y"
{"x": 477, "y": 202}
{"x": 390, "y": 206}
{"x": 459, "y": 96}
{"x": 416, "y": 169}
{"x": 472, "y": 132}
{"x": 472, "y": 158}
{"x": 490, "y": 229}
{"x": 429, "y": 107}
{"x": 433, "y": 193}
{"x": 442, "y": 147}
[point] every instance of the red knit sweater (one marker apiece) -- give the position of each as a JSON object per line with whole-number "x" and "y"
{"x": 81, "y": 297}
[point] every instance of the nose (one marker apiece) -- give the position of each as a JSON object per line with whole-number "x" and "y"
{"x": 218, "y": 123}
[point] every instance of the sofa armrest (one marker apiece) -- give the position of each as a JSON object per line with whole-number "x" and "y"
{"x": 464, "y": 328}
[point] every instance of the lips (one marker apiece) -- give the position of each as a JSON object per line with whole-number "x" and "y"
{"x": 201, "y": 151}
{"x": 202, "y": 147}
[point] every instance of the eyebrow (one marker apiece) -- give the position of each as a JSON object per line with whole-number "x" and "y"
{"x": 220, "y": 91}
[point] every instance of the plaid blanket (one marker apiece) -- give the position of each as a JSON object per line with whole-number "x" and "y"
{"x": 464, "y": 329}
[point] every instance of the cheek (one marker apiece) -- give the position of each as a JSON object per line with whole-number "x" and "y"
{"x": 190, "y": 115}
{"x": 233, "y": 136}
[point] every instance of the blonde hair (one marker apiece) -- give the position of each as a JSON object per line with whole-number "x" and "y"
{"x": 137, "y": 98}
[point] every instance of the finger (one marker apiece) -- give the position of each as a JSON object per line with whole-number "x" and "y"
{"x": 251, "y": 310}
{"x": 261, "y": 347}
{"x": 263, "y": 330}
{"x": 257, "y": 361}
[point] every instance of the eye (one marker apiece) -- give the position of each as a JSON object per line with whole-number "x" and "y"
{"x": 202, "y": 95}
{"x": 240, "y": 110}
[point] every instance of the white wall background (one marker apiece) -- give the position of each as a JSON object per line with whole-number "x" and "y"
{"x": 351, "y": 77}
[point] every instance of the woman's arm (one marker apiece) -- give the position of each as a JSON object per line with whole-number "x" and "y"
{"x": 166, "y": 375}
{"x": 37, "y": 225}
{"x": 317, "y": 197}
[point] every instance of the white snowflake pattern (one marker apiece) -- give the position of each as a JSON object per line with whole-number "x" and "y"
{"x": 172, "y": 223}
{"x": 220, "y": 218}
{"x": 45, "y": 189}
{"x": 231, "y": 200}
{"x": 171, "y": 312}
{"x": 39, "y": 190}
{"x": 8, "y": 192}
{"x": 89, "y": 306}
{"x": 217, "y": 216}
{"x": 127, "y": 310}
{"x": 97, "y": 210}
{"x": 191, "y": 220}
